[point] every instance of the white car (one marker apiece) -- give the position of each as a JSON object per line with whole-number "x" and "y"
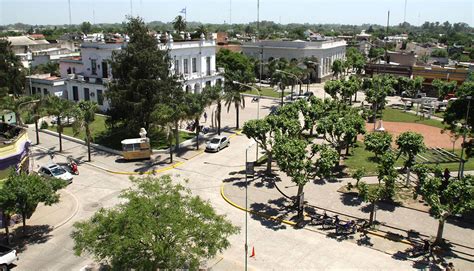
{"x": 7, "y": 257}
{"x": 55, "y": 171}
{"x": 217, "y": 143}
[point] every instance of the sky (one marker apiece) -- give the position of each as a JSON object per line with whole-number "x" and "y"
{"x": 243, "y": 11}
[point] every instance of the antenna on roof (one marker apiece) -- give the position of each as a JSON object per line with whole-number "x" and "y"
{"x": 70, "y": 20}
{"x": 405, "y": 12}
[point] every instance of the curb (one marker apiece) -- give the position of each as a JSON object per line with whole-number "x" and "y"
{"x": 294, "y": 224}
{"x": 71, "y": 216}
{"x": 253, "y": 212}
{"x": 136, "y": 173}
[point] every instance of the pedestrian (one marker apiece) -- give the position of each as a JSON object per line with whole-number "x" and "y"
{"x": 205, "y": 116}
{"x": 446, "y": 175}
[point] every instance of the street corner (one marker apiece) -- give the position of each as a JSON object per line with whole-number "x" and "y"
{"x": 269, "y": 209}
{"x": 57, "y": 214}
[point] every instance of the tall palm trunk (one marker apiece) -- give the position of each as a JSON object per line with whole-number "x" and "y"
{"x": 60, "y": 130}
{"x": 88, "y": 138}
{"x": 37, "y": 131}
{"x": 237, "y": 116}
{"x": 197, "y": 133}
{"x": 219, "y": 108}
{"x": 170, "y": 142}
{"x": 176, "y": 137}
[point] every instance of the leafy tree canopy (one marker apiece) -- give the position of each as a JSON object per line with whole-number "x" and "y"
{"x": 160, "y": 225}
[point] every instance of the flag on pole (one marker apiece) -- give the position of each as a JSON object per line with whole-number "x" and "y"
{"x": 183, "y": 11}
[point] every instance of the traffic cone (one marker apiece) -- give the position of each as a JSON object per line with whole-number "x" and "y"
{"x": 253, "y": 252}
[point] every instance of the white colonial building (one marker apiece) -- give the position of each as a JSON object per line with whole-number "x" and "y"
{"x": 46, "y": 84}
{"x": 196, "y": 62}
{"x": 86, "y": 77}
{"x": 325, "y": 51}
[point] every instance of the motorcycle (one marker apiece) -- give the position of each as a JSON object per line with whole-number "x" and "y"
{"x": 73, "y": 167}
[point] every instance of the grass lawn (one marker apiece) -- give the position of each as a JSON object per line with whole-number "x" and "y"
{"x": 112, "y": 138}
{"x": 266, "y": 91}
{"x": 362, "y": 158}
{"x": 395, "y": 115}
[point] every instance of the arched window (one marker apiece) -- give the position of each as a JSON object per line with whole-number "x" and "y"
{"x": 188, "y": 88}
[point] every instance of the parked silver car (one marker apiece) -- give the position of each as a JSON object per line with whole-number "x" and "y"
{"x": 217, "y": 143}
{"x": 55, "y": 171}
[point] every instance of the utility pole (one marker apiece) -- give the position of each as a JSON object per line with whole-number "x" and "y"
{"x": 258, "y": 19}
{"x": 230, "y": 12}
{"x": 131, "y": 8}
{"x": 70, "y": 20}
{"x": 405, "y": 12}
{"x": 386, "y": 33}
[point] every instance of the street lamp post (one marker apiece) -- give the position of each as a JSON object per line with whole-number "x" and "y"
{"x": 249, "y": 168}
{"x": 293, "y": 75}
{"x": 258, "y": 103}
{"x": 461, "y": 163}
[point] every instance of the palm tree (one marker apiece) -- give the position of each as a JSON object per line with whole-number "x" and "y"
{"x": 15, "y": 105}
{"x": 179, "y": 24}
{"x": 84, "y": 114}
{"x": 215, "y": 94}
{"x": 59, "y": 108}
{"x": 233, "y": 96}
{"x": 201, "y": 30}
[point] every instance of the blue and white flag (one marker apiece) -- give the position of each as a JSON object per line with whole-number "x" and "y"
{"x": 183, "y": 11}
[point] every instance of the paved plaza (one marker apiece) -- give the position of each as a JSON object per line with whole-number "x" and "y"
{"x": 218, "y": 177}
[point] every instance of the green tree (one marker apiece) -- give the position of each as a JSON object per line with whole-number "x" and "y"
{"x": 456, "y": 198}
{"x": 16, "y": 104}
{"x": 337, "y": 68}
{"x": 238, "y": 68}
{"x": 376, "y": 91}
{"x": 358, "y": 174}
{"x": 201, "y": 30}
{"x": 159, "y": 225}
{"x": 340, "y": 129}
{"x": 12, "y": 73}
{"x": 195, "y": 105}
{"x": 86, "y": 27}
{"x": 141, "y": 79}
{"x": 294, "y": 159}
{"x": 439, "y": 53}
{"x": 48, "y": 67}
{"x": 371, "y": 194}
{"x": 410, "y": 144}
{"x": 215, "y": 94}
{"x": 21, "y": 193}
{"x": 263, "y": 132}
{"x": 179, "y": 24}
{"x": 60, "y": 109}
{"x": 378, "y": 142}
{"x": 443, "y": 87}
{"x": 375, "y": 53}
{"x": 84, "y": 114}
{"x": 333, "y": 88}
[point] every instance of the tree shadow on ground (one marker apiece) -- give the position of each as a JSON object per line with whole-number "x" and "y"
{"x": 280, "y": 208}
{"x": 148, "y": 165}
{"x": 383, "y": 206}
{"x": 323, "y": 181}
{"x": 423, "y": 260}
{"x": 34, "y": 234}
{"x": 350, "y": 199}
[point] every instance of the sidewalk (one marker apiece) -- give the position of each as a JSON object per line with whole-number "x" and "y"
{"x": 113, "y": 163}
{"x": 264, "y": 198}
